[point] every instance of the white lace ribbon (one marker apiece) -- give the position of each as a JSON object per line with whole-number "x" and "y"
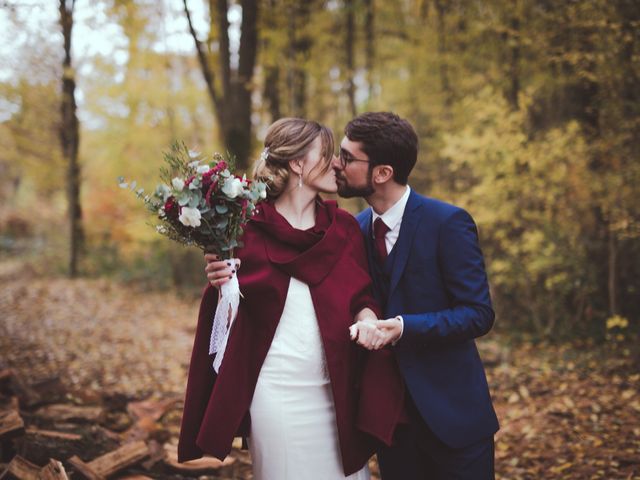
{"x": 225, "y": 315}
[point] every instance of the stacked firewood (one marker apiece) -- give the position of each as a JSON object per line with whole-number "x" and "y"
{"x": 48, "y": 433}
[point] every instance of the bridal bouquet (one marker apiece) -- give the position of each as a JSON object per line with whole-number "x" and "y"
{"x": 203, "y": 204}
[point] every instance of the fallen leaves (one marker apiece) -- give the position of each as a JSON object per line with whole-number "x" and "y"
{"x": 567, "y": 411}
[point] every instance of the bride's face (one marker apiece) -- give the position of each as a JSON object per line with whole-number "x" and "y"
{"x": 317, "y": 172}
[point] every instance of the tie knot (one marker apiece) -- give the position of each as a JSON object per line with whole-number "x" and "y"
{"x": 380, "y": 228}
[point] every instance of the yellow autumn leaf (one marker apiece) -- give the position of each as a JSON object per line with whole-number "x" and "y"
{"x": 561, "y": 468}
{"x": 627, "y": 394}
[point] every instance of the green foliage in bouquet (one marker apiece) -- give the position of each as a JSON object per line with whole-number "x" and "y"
{"x": 199, "y": 202}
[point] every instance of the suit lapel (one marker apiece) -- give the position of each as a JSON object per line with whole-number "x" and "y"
{"x": 410, "y": 220}
{"x": 365, "y": 226}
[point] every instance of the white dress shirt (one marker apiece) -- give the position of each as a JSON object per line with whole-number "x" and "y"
{"x": 393, "y": 219}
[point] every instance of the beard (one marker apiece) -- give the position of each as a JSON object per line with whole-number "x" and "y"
{"x": 349, "y": 191}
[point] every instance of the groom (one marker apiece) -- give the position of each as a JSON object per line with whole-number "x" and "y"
{"x": 429, "y": 276}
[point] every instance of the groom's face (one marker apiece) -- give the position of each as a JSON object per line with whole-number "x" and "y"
{"x": 353, "y": 170}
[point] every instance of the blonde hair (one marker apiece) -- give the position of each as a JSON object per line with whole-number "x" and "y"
{"x": 290, "y": 139}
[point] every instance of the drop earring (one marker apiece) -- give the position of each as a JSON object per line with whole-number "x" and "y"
{"x": 300, "y": 181}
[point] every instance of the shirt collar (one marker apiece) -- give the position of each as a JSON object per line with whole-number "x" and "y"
{"x": 393, "y": 216}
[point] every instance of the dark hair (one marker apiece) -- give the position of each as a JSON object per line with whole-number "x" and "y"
{"x": 387, "y": 139}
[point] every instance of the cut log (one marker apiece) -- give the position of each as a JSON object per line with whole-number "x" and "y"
{"x": 6, "y": 376}
{"x": 50, "y": 390}
{"x": 153, "y": 409}
{"x": 84, "y": 469}
{"x": 89, "y": 441}
{"x": 141, "y": 431}
{"x": 54, "y": 470}
{"x": 53, "y": 436}
{"x": 70, "y": 413}
{"x": 11, "y": 424}
{"x": 156, "y": 454}
{"x": 41, "y": 445}
{"x": 11, "y": 384}
{"x": 200, "y": 466}
{"x": 21, "y": 469}
{"x": 112, "y": 462}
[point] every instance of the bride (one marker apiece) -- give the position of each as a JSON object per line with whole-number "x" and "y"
{"x": 292, "y": 382}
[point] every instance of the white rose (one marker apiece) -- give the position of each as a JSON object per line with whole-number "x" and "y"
{"x": 190, "y": 217}
{"x": 203, "y": 169}
{"x": 178, "y": 184}
{"x": 232, "y": 187}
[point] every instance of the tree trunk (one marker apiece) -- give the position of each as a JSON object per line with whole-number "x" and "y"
{"x": 272, "y": 91}
{"x": 369, "y": 45}
{"x": 232, "y": 106}
{"x": 272, "y": 68}
{"x": 350, "y": 45}
{"x": 612, "y": 283}
{"x": 514, "y": 63}
{"x": 441, "y": 7}
{"x": 207, "y": 72}
{"x": 300, "y": 43}
{"x": 238, "y": 131}
{"x": 70, "y": 139}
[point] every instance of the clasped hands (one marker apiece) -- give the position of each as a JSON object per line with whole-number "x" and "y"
{"x": 375, "y": 334}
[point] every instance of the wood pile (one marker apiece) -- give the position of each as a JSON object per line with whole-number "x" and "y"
{"x": 46, "y": 433}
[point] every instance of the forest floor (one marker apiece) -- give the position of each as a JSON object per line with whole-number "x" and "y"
{"x": 568, "y": 410}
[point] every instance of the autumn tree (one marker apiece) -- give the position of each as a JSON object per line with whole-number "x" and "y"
{"x": 70, "y": 139}
{"x": 229, "y": 85}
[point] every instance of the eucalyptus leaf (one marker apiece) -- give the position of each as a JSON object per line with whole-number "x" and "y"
{"x": 195, "y": 199}
{"x": 222, "y": 209}
{"x": 184, "y": 199}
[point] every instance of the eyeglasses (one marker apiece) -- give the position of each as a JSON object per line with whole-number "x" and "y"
{"x": 346, "y": 158}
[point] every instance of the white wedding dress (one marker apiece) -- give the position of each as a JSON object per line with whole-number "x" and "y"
{"x": 294, "y": 435}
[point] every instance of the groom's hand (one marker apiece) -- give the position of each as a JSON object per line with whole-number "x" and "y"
{"x": 391, "y": 328}
{"x": 220, "y": 271}
{"x": 367, "y": 334}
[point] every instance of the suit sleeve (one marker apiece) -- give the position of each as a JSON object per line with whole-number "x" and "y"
{"x": 462, "y": 268}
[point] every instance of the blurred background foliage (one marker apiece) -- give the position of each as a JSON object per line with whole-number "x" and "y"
{"x": 528, "y": 114}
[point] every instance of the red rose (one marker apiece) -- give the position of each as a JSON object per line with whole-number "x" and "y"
{"x": 206, "y": 180}
{"x": 210, "y": 192}
{"x": 170, "y": 207}
{"x": 220, "y": 166}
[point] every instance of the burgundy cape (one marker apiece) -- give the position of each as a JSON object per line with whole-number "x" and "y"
{"x": 367, "y": 390}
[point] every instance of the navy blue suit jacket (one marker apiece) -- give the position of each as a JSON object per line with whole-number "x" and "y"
{"x": 439, "y": 286}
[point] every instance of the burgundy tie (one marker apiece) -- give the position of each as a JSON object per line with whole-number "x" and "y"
{"x": 380, "y": 229}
